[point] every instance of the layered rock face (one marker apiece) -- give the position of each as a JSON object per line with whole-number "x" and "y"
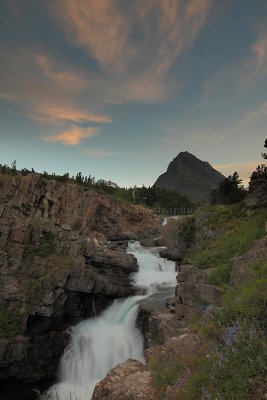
{"x": 190, "y": 177}
{"x": 193, "y": 290}
{"x": 62, "y": 259}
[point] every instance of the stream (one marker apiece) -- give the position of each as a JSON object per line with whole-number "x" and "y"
{"x": 100, "y": 343}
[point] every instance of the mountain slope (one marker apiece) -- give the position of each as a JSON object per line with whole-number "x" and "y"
{"x": 190, "y": 176}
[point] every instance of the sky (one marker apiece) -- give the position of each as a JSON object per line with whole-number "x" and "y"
{"x": 117, "y": 88}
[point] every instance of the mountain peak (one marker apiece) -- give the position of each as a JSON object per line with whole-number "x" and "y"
{"x": 190, "y": 176}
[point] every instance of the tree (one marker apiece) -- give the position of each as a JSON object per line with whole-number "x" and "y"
{"x": 260, "y": 172}
{"x": 14, "y": 166}
{"x": 264, "y": 155}
{"x": 229, "y": 191}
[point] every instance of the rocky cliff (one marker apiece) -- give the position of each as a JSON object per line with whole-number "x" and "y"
{"x": 190, "y": 176}
{"x": 62, "y": 259}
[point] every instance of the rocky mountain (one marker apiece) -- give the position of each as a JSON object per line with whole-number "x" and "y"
{"x": 190, "y": 176}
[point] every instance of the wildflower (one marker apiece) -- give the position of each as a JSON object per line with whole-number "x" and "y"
{"x": 205, "y": 393}
{"x": 182, "y": 378}
{"x": 208, "y": 314}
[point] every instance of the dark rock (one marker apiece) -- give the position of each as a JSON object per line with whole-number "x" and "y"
{"x": 171, "y": 254}
{"x": 156, "y": 327}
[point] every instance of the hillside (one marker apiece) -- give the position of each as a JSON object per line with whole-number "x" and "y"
{"x": 190, "y": 177}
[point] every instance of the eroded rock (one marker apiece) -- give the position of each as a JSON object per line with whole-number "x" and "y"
{"x": 130, "y": 380}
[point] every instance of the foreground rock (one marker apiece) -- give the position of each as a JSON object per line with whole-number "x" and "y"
{"x": 130, "y": 380}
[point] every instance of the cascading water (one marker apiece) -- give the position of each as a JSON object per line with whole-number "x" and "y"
{"x": 153, "y": 270}
{"x": 98, "y": 344}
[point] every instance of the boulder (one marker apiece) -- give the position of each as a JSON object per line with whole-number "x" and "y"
{"x": 130, "y": 380}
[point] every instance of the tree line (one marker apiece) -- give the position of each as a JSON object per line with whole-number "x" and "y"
{"x": 152, "y": 197}
{"x": 231, "y": 189}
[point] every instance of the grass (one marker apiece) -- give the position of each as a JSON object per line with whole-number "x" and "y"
{"x": 164, "y": 372}
{"x": 238, "y": 233}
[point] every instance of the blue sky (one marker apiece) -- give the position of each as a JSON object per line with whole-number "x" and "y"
{"x": 117, "y": 89}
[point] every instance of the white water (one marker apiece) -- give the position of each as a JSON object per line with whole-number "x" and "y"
{"x": 166, "y": 219}
{"x": 153, "y": 270}
{"x": 98, "y": 344}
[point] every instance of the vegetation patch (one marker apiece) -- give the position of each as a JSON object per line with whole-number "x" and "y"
{"x": 164, "y": 374}
{"x": 234, "y": 363}
{"x": 8, "y": 322}
{"x": 43, "y": 248}
{"x": 187, "y": 232}
{"x": 238, "y": 233}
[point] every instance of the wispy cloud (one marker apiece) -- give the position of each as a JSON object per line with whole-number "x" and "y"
{"x": 97, "y": 153}
{"x": 241, "y": 75}
{"x": 48, "y": 90}
{"x": 72, "y": 137}
{"x": 254, "y": 115}
{"x": 59, "y": 113}
{"x": 137, "y": 64}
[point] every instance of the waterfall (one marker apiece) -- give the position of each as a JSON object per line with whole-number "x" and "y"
{"x": 153, "y": 270}
{"x": 100, "y": 343}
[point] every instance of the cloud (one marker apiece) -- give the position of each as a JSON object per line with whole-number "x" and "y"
{"x": 254, "y": 115}
{"x": 60, "y": 113}
{"x": 135, "y": 65}
{"x": 101, "y": 153}
{"x": 240, "y": 76}
{"x": 48, "y": 90}
{"x": 72, "y": 137}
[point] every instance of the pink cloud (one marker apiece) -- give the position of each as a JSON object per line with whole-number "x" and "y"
{"x": 72, "y": 137}
{"x": 106, "y": 32}
{"x": 50, "y": 113}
